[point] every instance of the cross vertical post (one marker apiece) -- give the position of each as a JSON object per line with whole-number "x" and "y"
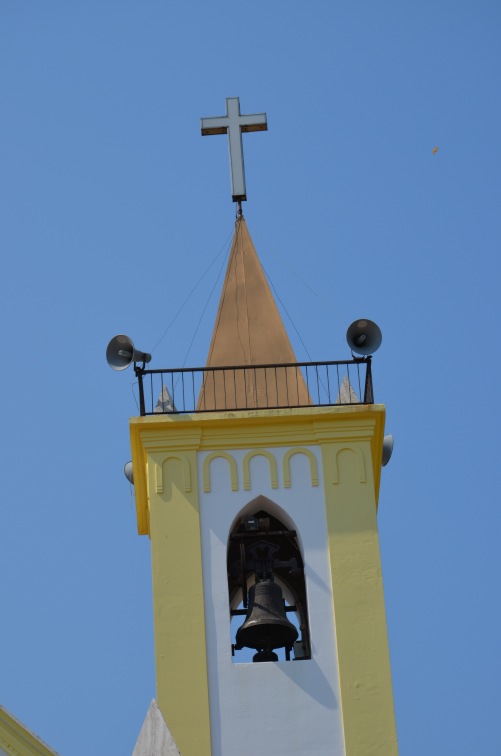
{"x": 234, "y": 124}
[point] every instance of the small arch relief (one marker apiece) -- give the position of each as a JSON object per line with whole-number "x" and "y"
{"x": 246, "y": 467}
{"x": 287, "y": 466}
{"x": 232, "y": 466}
{"x": 360, "y": 463}
{"x": 159, "y": 473}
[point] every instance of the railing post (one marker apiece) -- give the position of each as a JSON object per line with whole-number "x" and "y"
{"x": 139, "y": 373}
{"x": 368, "y": 391}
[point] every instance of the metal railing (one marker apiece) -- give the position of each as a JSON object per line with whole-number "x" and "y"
{"x": 241, "y": 387}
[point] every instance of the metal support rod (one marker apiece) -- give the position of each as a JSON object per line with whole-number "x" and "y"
{"x": 139, "y": 373}
{"x": 368, "y": 391}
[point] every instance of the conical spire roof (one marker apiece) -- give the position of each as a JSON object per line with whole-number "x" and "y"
{"x": 249, "y": 331}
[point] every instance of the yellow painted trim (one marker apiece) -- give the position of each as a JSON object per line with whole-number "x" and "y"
{"x": 206, "y": 470}
{"x": 159, "y": 476}
{"x": 357, "y": 451}
{"x": 17, "y": 740}
{"x": 255, "y": 429}
{"x": 246, "y": 467}
{"x": 178, "y": 602}
{"x": 359, "y": 612}
{"x": 141, "y": 493}
{"x": 287, "y": 467}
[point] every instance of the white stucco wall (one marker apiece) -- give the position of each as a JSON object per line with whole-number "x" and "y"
{"x": 290, "y": 708}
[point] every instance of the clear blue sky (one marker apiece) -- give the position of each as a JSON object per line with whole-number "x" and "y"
{"x": 112, "y": 206}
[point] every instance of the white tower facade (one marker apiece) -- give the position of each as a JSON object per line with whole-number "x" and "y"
{"x": 296, "y": 703}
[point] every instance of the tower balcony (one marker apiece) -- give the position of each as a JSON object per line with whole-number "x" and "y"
{"x": 255, "y": 387}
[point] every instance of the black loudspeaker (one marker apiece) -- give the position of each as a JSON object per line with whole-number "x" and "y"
{"x": 364, "y": 337}
{"x": 129, "y": 472}
{"x": 387, "y": 449}
{"x": 120, "y": 353}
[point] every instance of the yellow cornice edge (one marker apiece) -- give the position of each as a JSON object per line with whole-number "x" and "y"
{"x": 204, "y": 429}
{"x": 256, "y": 428}
{"x": 140, "y": 481}
{"x": 18, "y": 740}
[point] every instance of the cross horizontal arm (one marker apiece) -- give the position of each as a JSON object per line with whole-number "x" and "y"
{"x": 254, "y": 123}
{"x": 257, "y": 127}
{"x": 218, "y": 125}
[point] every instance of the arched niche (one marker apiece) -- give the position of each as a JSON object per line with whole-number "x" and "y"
{"x": 264, "y": 534}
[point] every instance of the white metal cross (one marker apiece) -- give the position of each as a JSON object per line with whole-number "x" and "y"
{"x": 234, "y": 125}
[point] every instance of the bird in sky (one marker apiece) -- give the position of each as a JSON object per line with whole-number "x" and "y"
{"x": 434, "y": 151}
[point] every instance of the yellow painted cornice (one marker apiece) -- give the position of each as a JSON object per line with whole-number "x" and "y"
{"x": 17, "y": 740}
{"x": 160, "y": 434}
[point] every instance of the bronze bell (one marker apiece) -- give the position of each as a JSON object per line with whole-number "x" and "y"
{"x": 266, "y": 626}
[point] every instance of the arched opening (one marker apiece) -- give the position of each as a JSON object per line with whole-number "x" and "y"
{"x": 266, "y": 586}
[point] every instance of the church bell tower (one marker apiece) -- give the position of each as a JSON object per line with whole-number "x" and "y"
{"x": 257, "y": 480}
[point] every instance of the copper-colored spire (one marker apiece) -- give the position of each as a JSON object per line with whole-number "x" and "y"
{"x": 249, "y": 331}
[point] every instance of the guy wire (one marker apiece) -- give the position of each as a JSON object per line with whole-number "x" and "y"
{"x": 191, "y": 293}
